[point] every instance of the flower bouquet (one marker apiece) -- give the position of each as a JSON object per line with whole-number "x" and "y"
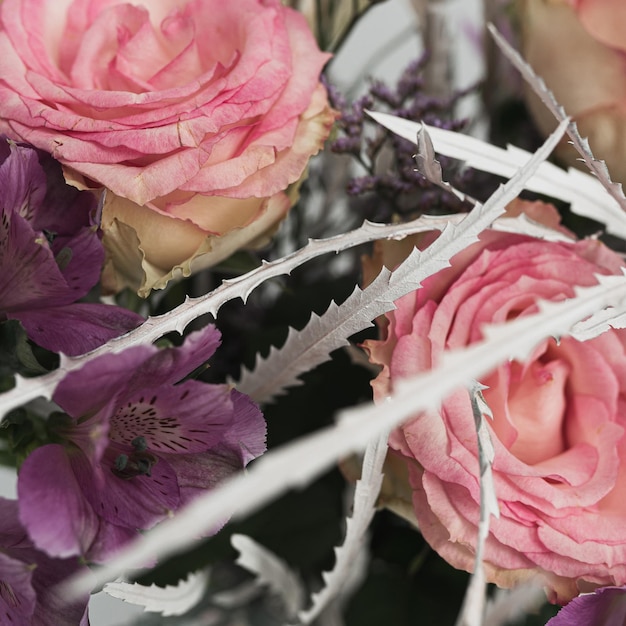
{"x": 312, "y": 312}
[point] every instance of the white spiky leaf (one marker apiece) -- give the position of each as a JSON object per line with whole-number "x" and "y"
{"x": 170, "y": 600}
{"x": 597, "y": 167}
{"x": 365, "y": 496}
{"x": 270, "y": 571}
{"x": 587, "y": 195}
{"x": 307, "y": 348}
{"x": 472, "y": 610}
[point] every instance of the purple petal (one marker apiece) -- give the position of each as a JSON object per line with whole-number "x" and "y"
{"x": 65, "y": 210}
{"x": 57, "y": 517}
{"x": 22, "y": 181}
{"x": 175, "y": 419}
{"x": 95, "y": 385}
{"x": 41, "y": 592}
{"x": 604, "y": 607}
{"x": 128, "y": 373}
{"x": 44, "y": 219}
{"x": 53, "y": 606}
{"x": 76, "y": 328}
{"x": 29, "y": 275}
{"x": 85, "y": 255}
{"x": 17, "y": 597}
{"x": 249, "y": 430}
{"x": 171, "y": 365}
{"x": 12, "y": 532}
{"x": 199, "y": 472}
{"x": 108, "y": 542}
{"x": 244, "y": 440}
{"x": 138, "y": 502}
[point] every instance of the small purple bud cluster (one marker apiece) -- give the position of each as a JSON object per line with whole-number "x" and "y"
{"x": 391, "y": 184}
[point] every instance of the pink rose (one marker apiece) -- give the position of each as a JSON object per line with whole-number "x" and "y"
{"x": 199, "y": 116}
{"x": 578, "y": 48}
{"x": 558, "y": 426}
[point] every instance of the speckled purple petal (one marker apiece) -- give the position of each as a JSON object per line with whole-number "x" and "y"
{"x": 242, "y": 442}
{"x": 128, "y": 373}
{"x": 51, "y": 504}
{"x": 175, "y": 419}
{"x": 76, "y": 328}
{"x": 604, "y": 607}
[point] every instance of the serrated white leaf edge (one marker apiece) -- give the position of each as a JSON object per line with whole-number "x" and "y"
{"x": 473, "y": 607}
{"x": 270, "y": 571}
{"x": 365, "y": 496}
{"x": 597, "y": 167}
{"x": 452, "y": 239}
{"x": 170, "y": 600}
{"x": 27, "y": 389}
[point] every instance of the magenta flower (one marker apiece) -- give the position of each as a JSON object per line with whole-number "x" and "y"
{"x": 605, "y": 607}
{"x": 51, "y": 256}
{"x": 134, "y": 447}
{"x": 29, "y": 578}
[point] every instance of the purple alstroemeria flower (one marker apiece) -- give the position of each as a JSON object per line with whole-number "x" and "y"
{"x": 29, "y": 579}
{"x": 605, "y": 607}
{"x": 51, "y": 256}
{"x": 135, "y": 447}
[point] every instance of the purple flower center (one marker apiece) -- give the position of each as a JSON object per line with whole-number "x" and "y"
{"x": 138, "y": 463}
{"x": 163, "y": 431}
